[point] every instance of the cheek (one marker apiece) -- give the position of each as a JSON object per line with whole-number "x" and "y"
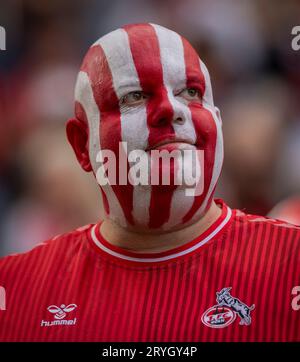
{"x": 206, "y": 132}
{"x": 110, "y": 130}
{"x": 205, "y": 128}
{"x": 130, "y": 127}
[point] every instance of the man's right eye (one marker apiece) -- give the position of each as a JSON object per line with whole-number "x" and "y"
{"x": 133, "y": 98}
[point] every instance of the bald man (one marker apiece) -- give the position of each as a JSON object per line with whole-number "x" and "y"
{"x": 168, "y": 262}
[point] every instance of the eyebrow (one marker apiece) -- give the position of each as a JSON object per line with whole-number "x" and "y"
{"x": 129, "y": 86}
{"x": 196, "y": 79}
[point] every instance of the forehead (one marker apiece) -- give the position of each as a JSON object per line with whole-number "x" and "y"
{"x": 147, "y": 55}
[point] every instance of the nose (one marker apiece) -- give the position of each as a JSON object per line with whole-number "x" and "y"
{"x": 166, "y": 112}
{"x": 162, "y": 114}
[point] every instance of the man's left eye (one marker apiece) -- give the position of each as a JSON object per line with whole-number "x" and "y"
{"x": 190, "y": 94}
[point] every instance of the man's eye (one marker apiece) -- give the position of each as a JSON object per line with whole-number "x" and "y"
{"x": 133, "y": 98}
{"x": 190, "y": 94}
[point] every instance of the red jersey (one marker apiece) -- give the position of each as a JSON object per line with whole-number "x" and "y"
{"x": 238, "y": 281}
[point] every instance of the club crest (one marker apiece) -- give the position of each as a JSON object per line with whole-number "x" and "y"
{"x": 225, "y": 312}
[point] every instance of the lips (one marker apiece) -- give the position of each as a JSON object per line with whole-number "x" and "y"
{"x": 173, "y": 143}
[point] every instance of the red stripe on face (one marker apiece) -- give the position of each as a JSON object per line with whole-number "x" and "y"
{"x": 145, "y": 51}
{"x": 204, "y": 124}
{"x": 96, "y": 66}
{"x": 146, "y": 56}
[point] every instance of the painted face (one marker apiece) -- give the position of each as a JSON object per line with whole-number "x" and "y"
{"x": 145, "y": 85}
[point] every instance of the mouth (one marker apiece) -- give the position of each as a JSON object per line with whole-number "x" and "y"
{"x": 176, "y": 143}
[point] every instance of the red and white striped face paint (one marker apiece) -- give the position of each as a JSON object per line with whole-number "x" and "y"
{"x": 163, "y": 68}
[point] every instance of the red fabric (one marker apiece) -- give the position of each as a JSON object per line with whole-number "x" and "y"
{"x": 129, "y": 300}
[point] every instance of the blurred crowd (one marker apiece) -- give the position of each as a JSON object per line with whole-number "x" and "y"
{"x": 255, "y": 76}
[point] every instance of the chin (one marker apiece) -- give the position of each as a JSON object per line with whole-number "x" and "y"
{"x": 158, "y": 209}
{"x": 144, "y": 229}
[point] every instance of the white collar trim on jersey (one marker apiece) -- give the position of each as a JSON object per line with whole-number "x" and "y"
{"x": 167, "y": 257}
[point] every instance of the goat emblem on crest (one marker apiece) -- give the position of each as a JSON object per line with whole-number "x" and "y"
{"x": 226, "y": 311}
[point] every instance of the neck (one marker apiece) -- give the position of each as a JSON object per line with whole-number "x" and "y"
{"x": 155, "y": 243}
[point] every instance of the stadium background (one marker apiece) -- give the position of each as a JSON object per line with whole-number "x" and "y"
{"x": 256, "y": 81}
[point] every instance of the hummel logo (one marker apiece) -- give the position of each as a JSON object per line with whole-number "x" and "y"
{"x": 59, "y": 314}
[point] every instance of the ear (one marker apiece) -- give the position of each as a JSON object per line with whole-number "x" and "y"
{"x": 78, "y": 136}
{"x": 218, "y": 113}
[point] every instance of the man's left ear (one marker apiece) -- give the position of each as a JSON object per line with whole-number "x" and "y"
{"x": 218, "y": 113}
{"x": 77, "y": 133}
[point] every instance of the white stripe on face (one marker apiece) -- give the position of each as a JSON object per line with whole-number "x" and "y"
{"x": 134, "y": 128}
{"x": 177, "y": 213}
{"x": 84, "y": 95}
{"x": 125, "y": 79}
{"x": 208, "y": 95}
{"x": 173, "y": 65}
{"x": 219, "y": 152}
{"x": 174, "y": 75}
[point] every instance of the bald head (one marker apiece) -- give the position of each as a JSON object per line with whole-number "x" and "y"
{"x": 144, "y": 85}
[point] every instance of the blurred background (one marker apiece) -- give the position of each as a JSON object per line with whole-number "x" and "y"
{"x": 256, "y": 80}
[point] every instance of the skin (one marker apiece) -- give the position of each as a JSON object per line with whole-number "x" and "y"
{"x": 179, "y": 105}
{"x": 155, "y": 243}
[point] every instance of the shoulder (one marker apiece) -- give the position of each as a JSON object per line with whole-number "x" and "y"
{"x": 47, "y": 252}
{"x": 243, "y": 218}
{"x": 278, "y": 237}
